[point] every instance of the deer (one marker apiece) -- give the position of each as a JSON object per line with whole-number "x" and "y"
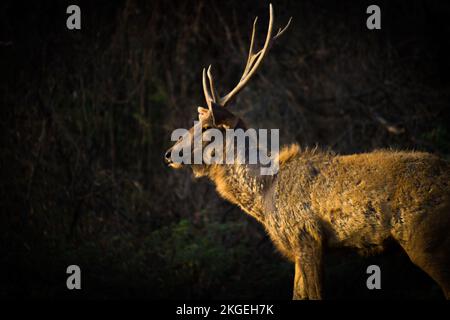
{"x": 320, "y": 200}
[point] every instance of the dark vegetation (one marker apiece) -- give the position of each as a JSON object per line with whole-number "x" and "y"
{"x": 86, "y": 116}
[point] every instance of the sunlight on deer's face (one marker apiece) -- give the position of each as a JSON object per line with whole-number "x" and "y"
{"x": 210, "y": 124}
{"x": 186, "y": 141}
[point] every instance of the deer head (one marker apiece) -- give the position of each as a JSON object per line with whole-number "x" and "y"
{"x": 217, "y": 116}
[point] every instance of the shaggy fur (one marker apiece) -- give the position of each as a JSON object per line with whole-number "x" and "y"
{"x": 358, "y": 201}
{"x": 319, "y": 199}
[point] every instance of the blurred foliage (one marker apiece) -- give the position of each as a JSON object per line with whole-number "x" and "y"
{"x": 440, "y": 137}
{"x": 175, "y": 261}
{"x": 86, "y": 117}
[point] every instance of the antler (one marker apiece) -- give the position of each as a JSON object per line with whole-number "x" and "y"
{"x": 253, "y": 62}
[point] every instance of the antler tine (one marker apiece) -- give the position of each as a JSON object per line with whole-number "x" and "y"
{"x": 250, "y": 59}
{"x": 255, "y": 56}
{"x": 252, "y": 64}
{"x": 254, "y": 59}
{"x": 281, "y": 31}
{"x": 211, "y": 84}
{"x": 255, "y": 65}
{"x": 208, "y": 97}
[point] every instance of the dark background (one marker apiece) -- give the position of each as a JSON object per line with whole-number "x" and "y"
{"x": 87, "y": 115}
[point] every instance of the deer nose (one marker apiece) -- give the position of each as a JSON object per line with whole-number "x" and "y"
{"x": 167, "y": 156}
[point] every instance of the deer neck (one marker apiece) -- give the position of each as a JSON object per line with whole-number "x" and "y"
{"x": 243, "y": 185}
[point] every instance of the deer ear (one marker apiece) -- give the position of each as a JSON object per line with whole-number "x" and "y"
{"x": 223, "y": 118}
{"x": 202, "y": 113}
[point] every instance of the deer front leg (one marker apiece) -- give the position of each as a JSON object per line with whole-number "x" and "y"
{"x": 308, "y": 272}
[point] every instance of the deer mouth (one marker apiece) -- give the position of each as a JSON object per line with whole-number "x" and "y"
{"x": 170, "y": 163}
{"x": 175, "y": 165}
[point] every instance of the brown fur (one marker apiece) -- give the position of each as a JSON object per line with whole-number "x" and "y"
{"x": 319, "y": 199}
{"x": 359, "y": 201}
{"x": 287, "y": 153}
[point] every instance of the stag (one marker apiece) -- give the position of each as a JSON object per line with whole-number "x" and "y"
{"x": 321, "y": 200}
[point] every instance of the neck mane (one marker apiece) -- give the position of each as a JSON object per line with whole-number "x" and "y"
{"x": 243, "y": 184}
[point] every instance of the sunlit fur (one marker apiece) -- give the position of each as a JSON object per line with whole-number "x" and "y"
{"x": 320, "y": 199}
